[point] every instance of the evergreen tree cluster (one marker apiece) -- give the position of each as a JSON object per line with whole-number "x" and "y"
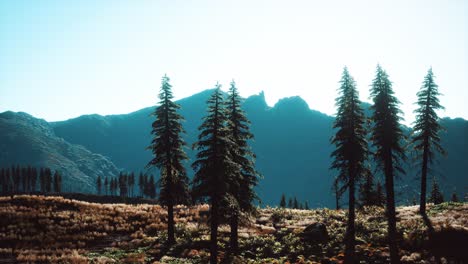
{"x": 371, "y": 194}
{"x": 29, "y": 179}
{"x": 225, "y": 174}
{"x": 293, "y": 203}
{"x": 382, "y": 133}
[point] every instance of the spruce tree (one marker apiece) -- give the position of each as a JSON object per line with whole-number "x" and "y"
{"x": 436, "y": 196}
{"x": 454, "y": 198}
{"x": 57, "y": 182}
{"x": 98, "y": 185}
{"x": 123, "y": 184}
{"x": 8, "y": 180}
{"x": 131, "y": 184}
{"x": 151, "y": 187}
{"x": 168, "y": 154}
{"x": 283, "y": 201}
{"x": 295, "y": 204}
{"x": 2, "y": 180}
{"x": 351, "y": 152}
{"x": 426, "y": 130}
{"x": 290, "y": 203}
{"x": 246, "y": 178}
{"x": 367, "y": 191}
{"x": 16, "y": 178}
{"x": 30, "y": 178}
{"x": 214, "y": 165}
{"x": 24, "y": 179}
{"x": 379, "y": 195}
{"x": 141, "y": 184}
{"x": 42, "y": 180}
{"x": 34, "y": 180}
{"x": 106, "y": 185}
{"x": 387, "y": 139}
{"x": 48, "y": 180}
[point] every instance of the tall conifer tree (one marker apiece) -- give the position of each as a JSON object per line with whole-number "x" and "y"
{"x": 283, "y": 201}
{"x": 387, "y": 138}
{"x": 57, "y": 182}
{"x": 167, "y": 147}
{"x": 214, "y": 167}
{"x": 246, "y": 178}
{"x": 426, "y": 129}
{"x": 351, "y": 152}
{"x": 367, "y": 192}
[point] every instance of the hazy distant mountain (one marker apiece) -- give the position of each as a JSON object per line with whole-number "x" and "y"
{"x": 25, "y": 140}
{"x": 291, "y": 143}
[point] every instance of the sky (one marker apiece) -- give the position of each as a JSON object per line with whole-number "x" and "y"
{"x": 63, "y": 59}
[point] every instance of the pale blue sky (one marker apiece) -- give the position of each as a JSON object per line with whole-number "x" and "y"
{"x": 62, "y": 59}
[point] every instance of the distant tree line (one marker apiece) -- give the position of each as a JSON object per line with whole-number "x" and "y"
{"x": 124, "y": 185}
{"x": 28, "y": 179}
{"x": 293, "y": 203}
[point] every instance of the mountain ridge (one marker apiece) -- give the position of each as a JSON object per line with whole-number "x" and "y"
{"x": 291, "y": 143}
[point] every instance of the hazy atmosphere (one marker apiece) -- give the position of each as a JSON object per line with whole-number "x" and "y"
{"x": 221, "y": 132}
{"x": 62, "y": 59}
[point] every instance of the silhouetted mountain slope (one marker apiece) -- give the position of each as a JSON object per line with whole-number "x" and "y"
{"x": 25, "y": 140}
{"x": 291, "y": 143}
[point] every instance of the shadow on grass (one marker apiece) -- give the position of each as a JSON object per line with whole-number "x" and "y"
{"x": 449, "y": 243}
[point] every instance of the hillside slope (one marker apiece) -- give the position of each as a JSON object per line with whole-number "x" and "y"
{"x": 25, "y": 140}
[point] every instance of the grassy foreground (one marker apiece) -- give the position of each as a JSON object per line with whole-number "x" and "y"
{"x": 38, "y": 229}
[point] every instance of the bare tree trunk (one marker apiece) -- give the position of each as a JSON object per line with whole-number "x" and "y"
{"x": 422, "y": 204}
{"x": 350, "y": 255}
{"x": 391, "y": 213}
{"x": 214, "y": 232}
{"x": 234, "y": 237}
{"x": 170, "y": 224}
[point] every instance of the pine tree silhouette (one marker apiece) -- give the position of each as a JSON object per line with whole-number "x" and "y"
{"x": 351, "y": 152}
{"x": 167, "y": 147}
{"x": 295, "y": 204}
{"x": 283, "y": 201}
{"x": 379, "y": 195}
{"x": 246, "y": 177}
{"x": 57, "y": 182}
{"x": 98, "y": 185}
{"x": 106, "y": 185}
{"x": 214, "y": 165}
{"x": 454, "y": 198}
{"x": 436, "y": 196}
{"x": 367, "y": 191}
{"x": 426, "y": 129}
{"x": 387, "y": 137}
